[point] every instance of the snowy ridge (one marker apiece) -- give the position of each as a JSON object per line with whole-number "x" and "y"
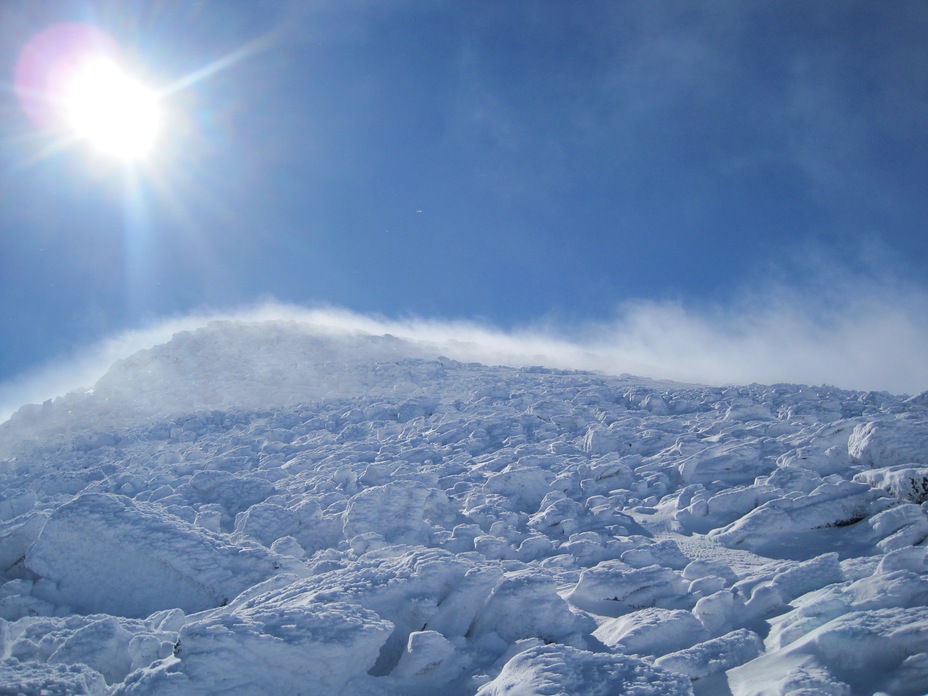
{"x": 265, "y": 508}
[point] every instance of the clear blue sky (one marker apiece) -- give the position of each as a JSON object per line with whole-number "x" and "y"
{"x": 510, "y": 161}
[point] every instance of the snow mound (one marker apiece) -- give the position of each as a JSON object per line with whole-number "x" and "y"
{"x": 905, "y": 482}
{"x": 265, "y": 650}
{"x": 652, "y": 632}
{"x": 890, "y": 442}
{"x": 837, "y": 504}
{"x": 267, "y": 508}
{"x": 112, "y": 647}
{"x": 103, "y": 553}
{"x": 49, "y": 680}
{"x": 559, "y": 670}
{"x": 613, "y": 588}
{"x": 871, "y": 650}
{"x": 715, "y": 655}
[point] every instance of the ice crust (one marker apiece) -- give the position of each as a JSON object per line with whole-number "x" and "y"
{"x": 268, "y": 508}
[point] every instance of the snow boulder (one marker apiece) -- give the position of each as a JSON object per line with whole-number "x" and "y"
{"x": 720, "y": 611}
{"x": 899, "y": 527}
{"x": 866, "y": 649}
{"x": 428, "y": 655}
{"x": 796, "y": 579}
{"x": 230, "y": 493}
{"x": 398, "y": 512}
{"x": 462, "y": 597}
{"x": 16, "y": 536}
{"x": 705, "y": 514}
{"x": 884, "y": 443}
{"x": 909, "y": 558}
{"x": 288, "y": 650}
{"x": 712, "y": 656}
{"x": 837, "y": 504}
{"x": 652, "y": 632}
{"x": 112, "y": 647}
{"x": 526, "y": 485}
{"x": 104, "y": 553}
{"x": 734, "y": 463}
{"x": 904, "y": 481}
{"x": 599, "y": 441}
{"x": 266, "y": 522}
{"x": 505, "y": 615}
{"x": 613, "y": 588}
{"x": 29, "y": 678}
{"x": 102, "y": 644}
{"x": 891, "y": 587}
{"x": 560, "y": 670}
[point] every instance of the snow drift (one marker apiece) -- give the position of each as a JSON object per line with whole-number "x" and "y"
{"x": 260, "y": 507}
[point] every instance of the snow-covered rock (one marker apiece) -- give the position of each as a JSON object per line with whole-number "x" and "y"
{"x": 857, "y": 652}
{"x": 714, "y": 655}
{"x": 106, "y": 553}
{"x": 282, "y": 650}
{"x": 890, "y": 442}
{"x": 652, "y": 632}
{"x": 49, "y": 679}
{"x": 613, "y": 588}
{"x": 904, "y": 481}
{"x": 559, "y": 670}
{"x": 832, "y": 504}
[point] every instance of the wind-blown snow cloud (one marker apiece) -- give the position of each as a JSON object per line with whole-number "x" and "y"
{"x": 843, "y": 331}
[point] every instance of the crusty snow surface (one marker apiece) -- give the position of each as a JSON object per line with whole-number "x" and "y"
{"x": 264, "y": 508}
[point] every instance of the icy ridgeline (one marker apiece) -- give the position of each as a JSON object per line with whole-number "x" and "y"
{"x": 256, "y": 508}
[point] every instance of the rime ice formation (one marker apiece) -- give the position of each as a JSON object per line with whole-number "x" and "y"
{"x": 265, "y": 508}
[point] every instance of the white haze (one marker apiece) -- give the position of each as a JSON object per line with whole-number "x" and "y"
{"x": 849, "y": 333}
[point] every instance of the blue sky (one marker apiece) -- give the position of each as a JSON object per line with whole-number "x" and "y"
{"x": 519, "y": 163}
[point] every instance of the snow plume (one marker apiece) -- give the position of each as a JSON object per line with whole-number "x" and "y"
{"x": 846, "y": 332}
{"x": 876, "y": 342}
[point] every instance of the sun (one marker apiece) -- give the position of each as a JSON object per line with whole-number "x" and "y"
{"x": 72, "y": 82}
{"x": 116, "y": 114}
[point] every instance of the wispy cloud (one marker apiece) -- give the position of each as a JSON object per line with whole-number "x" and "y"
{"x": 842, "y": 329}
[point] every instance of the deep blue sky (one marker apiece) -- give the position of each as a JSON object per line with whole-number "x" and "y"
{"x": 515, "y": 161}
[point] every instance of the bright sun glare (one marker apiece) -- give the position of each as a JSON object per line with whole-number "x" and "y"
{"x": 70, "y": 82}
{"x": 116, "y": 114}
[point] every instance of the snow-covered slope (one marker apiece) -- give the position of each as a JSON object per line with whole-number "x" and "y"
{"x": 263, "y": 508}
